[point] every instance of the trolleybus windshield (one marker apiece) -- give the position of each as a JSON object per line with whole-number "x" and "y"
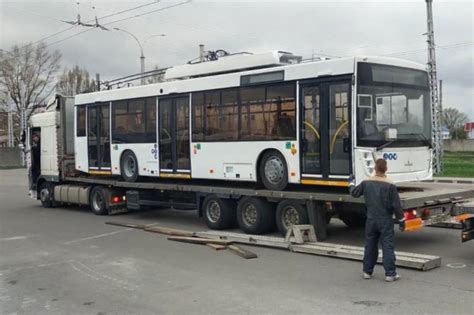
{"x": 393, "y": 106}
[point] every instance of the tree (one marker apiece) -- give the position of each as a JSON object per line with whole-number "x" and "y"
{"x": 454, "y": 121}
{"x": 75, "y": 81}
{"x": 158, "y": 77}
{"x": 27, "y": 79}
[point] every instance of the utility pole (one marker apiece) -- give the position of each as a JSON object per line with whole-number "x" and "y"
{"x": 97, "y": 81}
{"x": 435, "y": 106}
{"x": 441, "y": 99}
{"x": 142, "y": 55}
{"x": 11, "y": 137}
{"x": 201, "y": 53}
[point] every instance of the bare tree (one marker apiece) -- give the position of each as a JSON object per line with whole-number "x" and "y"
{"x": 454, "y": 120}
{"x": 27, "y": 79}
{"x": 158, "y": 77}
{"x": 75, "y": 81}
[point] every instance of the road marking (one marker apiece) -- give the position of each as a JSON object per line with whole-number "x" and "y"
{"x": 36, "y": 266}
{"x": 14, "y": 238}
{"x": 98, "y": 276}
{"x": 96, "y": 236}
{"x": 456, "y": 265}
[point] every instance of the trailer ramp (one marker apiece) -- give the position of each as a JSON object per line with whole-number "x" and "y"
{"x": 404, "y": 259}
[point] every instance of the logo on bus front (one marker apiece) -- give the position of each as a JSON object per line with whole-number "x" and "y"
{"x": 390, "y": 156}
{"x": 154, "y": 151}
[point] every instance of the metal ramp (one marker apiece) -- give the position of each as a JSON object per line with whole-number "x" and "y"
{"x": 404, "y": 259}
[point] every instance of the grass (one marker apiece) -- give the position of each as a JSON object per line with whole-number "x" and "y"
{"x": 458, "y": 164}
{"x": 10, "y": 167}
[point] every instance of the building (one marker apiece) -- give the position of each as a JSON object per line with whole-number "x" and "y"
{"x": 445, "y": 135}
{"x": 469, "y": 129}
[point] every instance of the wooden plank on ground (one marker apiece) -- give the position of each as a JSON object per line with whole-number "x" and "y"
{"x": 129, "y": 225}
{"x": 216, "y": 246}
{"x": 259, "y": 240}
{"x": 404, "y": 259}
{"x": 199, "y": 240}
{"x": 169, "y": 231}
{"x": 242, "y": 252}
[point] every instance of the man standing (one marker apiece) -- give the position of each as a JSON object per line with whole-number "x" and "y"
{"x": 382, "y": 202}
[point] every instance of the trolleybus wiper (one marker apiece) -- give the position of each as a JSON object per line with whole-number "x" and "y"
{"x": 423, "y": 137}
{"x": 386, "y": 144}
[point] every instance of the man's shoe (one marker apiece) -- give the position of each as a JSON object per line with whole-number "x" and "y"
{"x": 392, "y": 278}
{"x": 367, "y": 276}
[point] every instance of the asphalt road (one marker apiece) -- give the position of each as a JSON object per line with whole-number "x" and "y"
{"x": 66, "y": 260}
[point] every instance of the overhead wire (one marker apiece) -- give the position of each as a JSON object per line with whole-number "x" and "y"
{"x": 120, "y": 20}
{"x": 449, "y": 46}
{"x": 88, "y": 21}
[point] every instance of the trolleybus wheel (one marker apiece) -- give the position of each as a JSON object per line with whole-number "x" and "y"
{"x": 273, "y": 171}
{"x": 255, "y": 216}
{"x": 98, "y": 201}
{"x": 290, "y": 213}
{"x": 46, "y": 194}
{"x": 218, "y": 213}
{"x": 129, "y": 166}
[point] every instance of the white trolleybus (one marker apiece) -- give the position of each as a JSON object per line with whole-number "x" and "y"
{"x": 265, "y": 118}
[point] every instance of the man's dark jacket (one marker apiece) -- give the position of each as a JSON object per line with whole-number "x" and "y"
{"x": 381, "y": 198}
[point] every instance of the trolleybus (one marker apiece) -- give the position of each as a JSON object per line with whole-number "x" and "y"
{"x": 265, "y": 118}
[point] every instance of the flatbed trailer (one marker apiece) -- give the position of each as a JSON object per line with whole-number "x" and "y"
{"x": 220, "y": 203}
{"x": 433, "y": 202}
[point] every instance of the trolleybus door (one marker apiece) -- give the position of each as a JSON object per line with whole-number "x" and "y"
{"x": 325, "y": 131}
{"x": 98, "y": 136}
{"x": 174, "y": 137}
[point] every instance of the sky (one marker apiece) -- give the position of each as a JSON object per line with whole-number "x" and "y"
{"x": 307, "y": 28}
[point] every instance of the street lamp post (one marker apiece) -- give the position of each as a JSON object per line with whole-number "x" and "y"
{"x": 142, "y": 55}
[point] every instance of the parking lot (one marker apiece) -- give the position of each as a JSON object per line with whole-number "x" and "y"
{"x": 66, "y": 260}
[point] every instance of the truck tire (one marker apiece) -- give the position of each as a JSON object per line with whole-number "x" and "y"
{"x": 255, "y": 216}
{"x": 129, "y": 167}
{"x": 290, "y": 213}
{"x": 273, "y": 171}
{"x": 98, "y": 201}
{"x": 218, "y": 213}
{"x": 46, "y": 194}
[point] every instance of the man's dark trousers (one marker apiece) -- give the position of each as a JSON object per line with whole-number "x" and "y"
{"x": 379, "y": 229}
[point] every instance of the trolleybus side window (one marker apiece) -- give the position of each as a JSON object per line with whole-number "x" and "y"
{"x": 253, "y": 113}
{"x": 229, "y": 116}
{"x": 134, "y": 121}
{"x": 254, "y": 121}
{"x": 198, "y": 116}
{"x": 81, "y": 121}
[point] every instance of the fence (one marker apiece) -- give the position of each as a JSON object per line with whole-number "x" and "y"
{"x": 459, "y": 145}
{"x": 10, "y": 157}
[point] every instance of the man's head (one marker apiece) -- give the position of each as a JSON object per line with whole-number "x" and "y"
{"x": 380, "y": 166}
{"x": 35, "y": 138}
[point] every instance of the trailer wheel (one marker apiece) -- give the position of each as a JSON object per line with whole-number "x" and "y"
{"x": 46, "y": 194}
{"x": 255, "y": 216}
{"x": 273, "y": 171}
{"x": 129, "y": 166}
{"x": 219, "y": 214}
{"x": 290, "y": 213}
{"x": 98, "y": 201}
